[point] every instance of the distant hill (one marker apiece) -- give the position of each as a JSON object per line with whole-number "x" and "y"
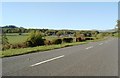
{"x": 10, "y": 26}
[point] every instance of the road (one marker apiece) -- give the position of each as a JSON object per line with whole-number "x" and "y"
{"x": 92, "y": 59}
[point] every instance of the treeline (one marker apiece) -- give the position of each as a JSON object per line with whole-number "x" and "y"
{"x": 47, "y": 32}
{"x": 15, "y": 29}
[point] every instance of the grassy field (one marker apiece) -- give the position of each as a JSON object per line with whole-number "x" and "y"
{"x": 15, "y": 52}
{"x": 16, "y": 38}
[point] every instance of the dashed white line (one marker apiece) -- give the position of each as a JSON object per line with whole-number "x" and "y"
{"x": 89, "y": 47}
{"x": 47, "y": 61}
{"x": 100, "y": 43}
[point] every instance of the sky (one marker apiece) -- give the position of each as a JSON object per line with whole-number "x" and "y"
{"x": 61, "y": 15}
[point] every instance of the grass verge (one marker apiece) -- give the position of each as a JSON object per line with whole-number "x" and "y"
{"x": 15, "y": 52}
{"x": 21, "y": 51}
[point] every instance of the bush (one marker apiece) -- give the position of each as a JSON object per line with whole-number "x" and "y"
{"x": 21, "y": 45}
{"x": 57, "y": 41}
{"x": 14, "y": 46}
{"x": 68, "y": 40}
{"x": 89, "y": 38}
{"x": 5, "y": 47}
{"x": 47, "y": 42}
{"x": 101, "y": 35}
{"x": 35, "y": 39}
{"x": 78, "y": 39}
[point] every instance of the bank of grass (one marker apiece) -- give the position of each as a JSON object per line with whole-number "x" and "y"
{"x": 15, "y": 52}
{"x": 21, "y": 51}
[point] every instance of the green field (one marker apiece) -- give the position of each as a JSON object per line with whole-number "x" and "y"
{"x": 14, "y": 38}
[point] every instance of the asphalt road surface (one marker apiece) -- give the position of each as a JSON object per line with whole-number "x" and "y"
{"x": 92, "y": 59}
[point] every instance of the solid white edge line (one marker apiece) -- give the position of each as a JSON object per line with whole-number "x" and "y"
{"x": 47, "y": 60}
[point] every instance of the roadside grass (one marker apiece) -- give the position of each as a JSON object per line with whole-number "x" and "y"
{"x": 15, "y": 52}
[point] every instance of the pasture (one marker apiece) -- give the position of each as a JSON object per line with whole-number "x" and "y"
{"x": 14, "y": 38}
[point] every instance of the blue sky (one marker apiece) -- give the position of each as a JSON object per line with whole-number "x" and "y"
{"x": 61, "y": 15}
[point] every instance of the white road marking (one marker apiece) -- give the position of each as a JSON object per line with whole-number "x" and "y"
{"x": 47, "y": 60}
{"x": 100, "y": 43}
{"x": 89, "y": 47}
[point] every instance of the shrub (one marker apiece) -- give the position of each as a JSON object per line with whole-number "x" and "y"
{"x": 5, "y": 47}
{"x": 101, "y": 35}
{"x": 57, "y": 41}
{"x": 47, "y": 42}
{"x": 78, "y": 39}
{"x": 89, "y": 38}
{"x": 68, "y": 40}
{"x": 13, "y": 46}
{"x": 22, "y": 45}
{"x": 35, "y": 39}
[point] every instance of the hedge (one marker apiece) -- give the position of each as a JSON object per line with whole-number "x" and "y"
{"x": 57, "y": 41}
{"x": 68, "y": 40}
